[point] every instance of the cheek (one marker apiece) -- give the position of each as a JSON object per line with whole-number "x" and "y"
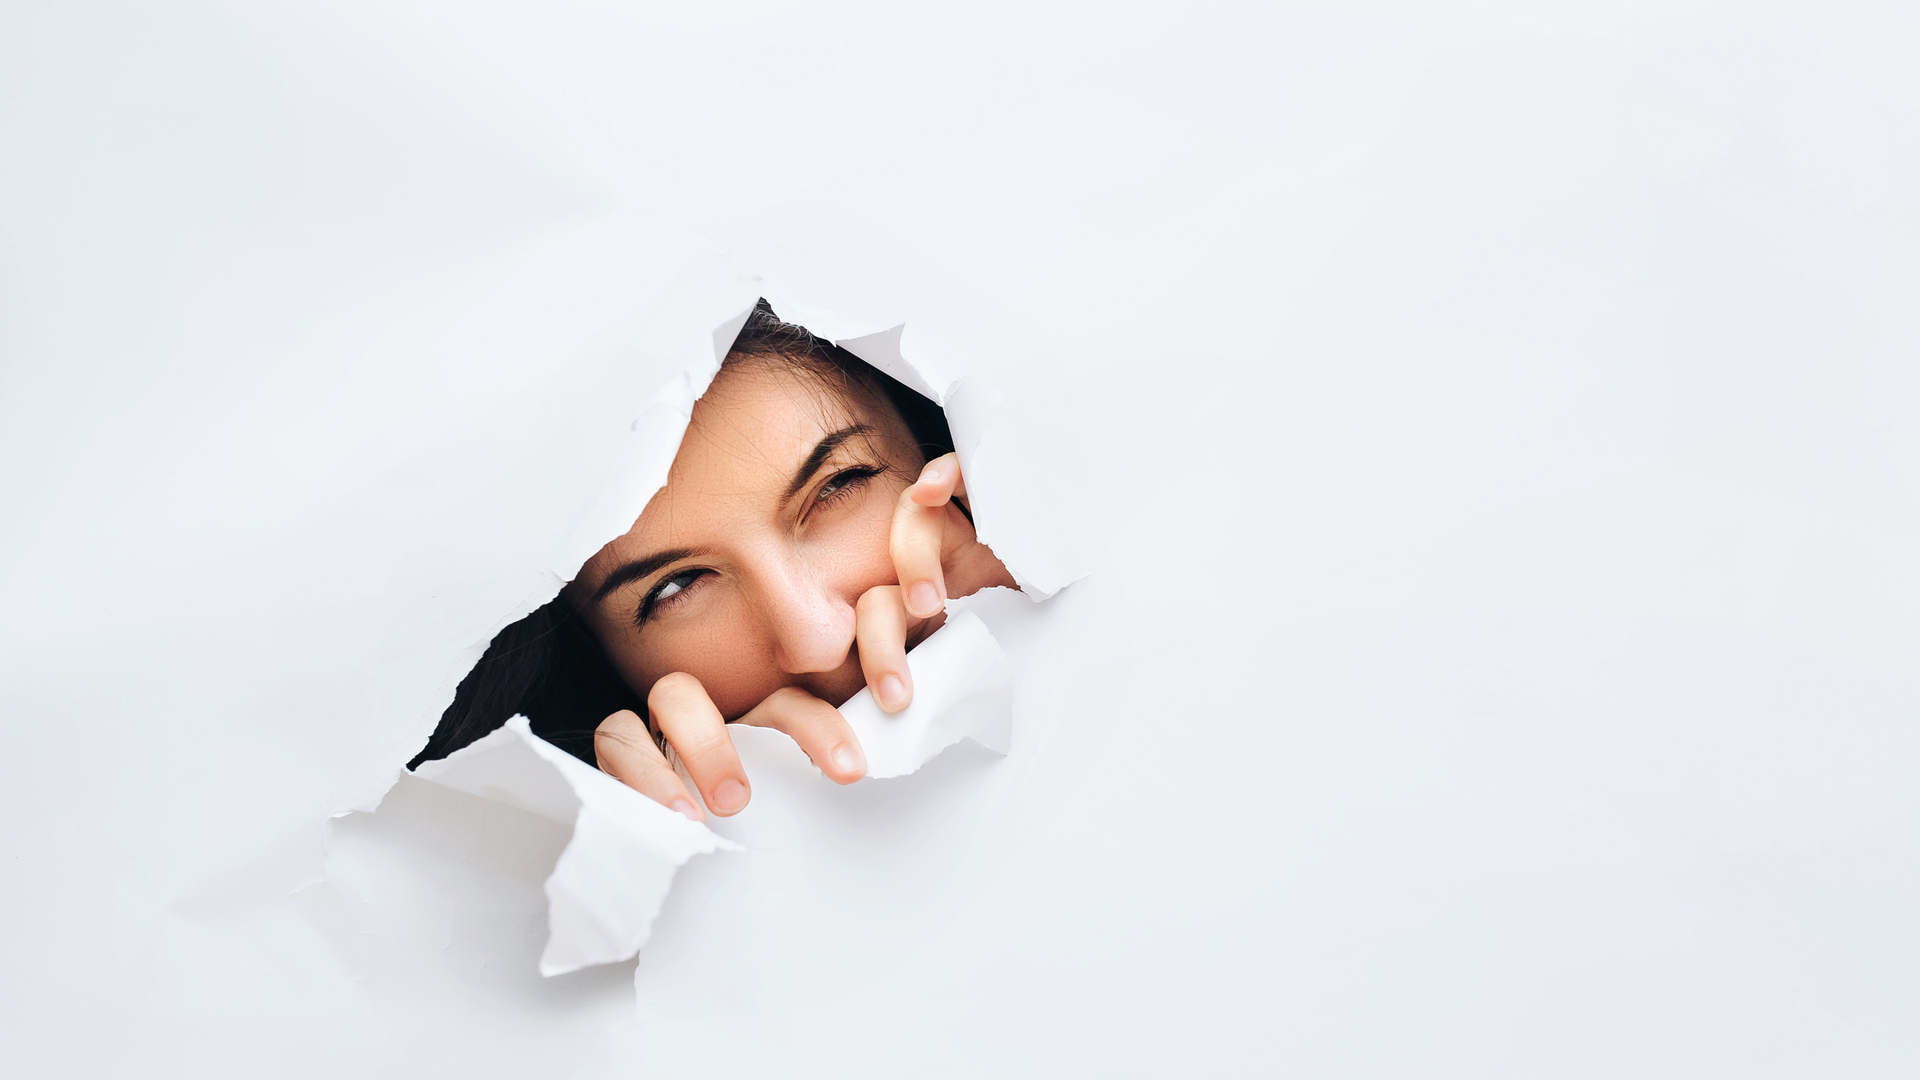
{"x": 730, "y": 646}
{"x": 851, "y": 553}
{"x": 728, "y": 651}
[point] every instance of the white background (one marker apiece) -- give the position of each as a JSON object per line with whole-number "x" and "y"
{"x": 1502, "y": 420}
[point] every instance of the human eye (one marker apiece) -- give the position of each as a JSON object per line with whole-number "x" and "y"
{"x": 843, "y": 483}
{"x": 667, "y": 590}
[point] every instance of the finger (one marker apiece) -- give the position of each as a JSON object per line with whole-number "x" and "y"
{"x": 695, "y": 730}
{"x": 626, "y": 751}
{"x": 915, "y": 541}
{"x": 819, "y": 729}
{"x": 939, "y": 481}
{"x": 880, "y": 629}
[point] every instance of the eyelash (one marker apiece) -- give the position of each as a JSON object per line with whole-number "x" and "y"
{"x": 654, "y": 599}
{"x": 840, "y": 486}
{"x": 843, "y": 484}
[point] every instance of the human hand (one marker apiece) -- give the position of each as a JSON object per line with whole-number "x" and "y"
{"x": 936, "y": 555}
{"x": 685, "y": 718}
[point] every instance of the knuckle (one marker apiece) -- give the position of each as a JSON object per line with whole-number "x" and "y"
{"x": 678, "y": 688}
{"x": 925, "y": 533}
{"x": 882, "y": 635}
{"x": 622, "y": 743}
{"x": 700, "y": 743}
{"x": 619, "y": 723}
{"x": 876, "y": 600}
{"x": 788, "y": 697}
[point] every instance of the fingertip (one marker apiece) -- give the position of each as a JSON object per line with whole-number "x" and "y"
{"x": 848, "y": 763}
{"x": 923, "y": 600}
{"x": 729, "y": 797}
{"x": 935, "y": 484}
{"x": 687, "y": 810}
{"x": 891, "y": 693}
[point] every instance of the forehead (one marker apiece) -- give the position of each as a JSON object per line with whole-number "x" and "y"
{"x": 755, "y": 424}
{"x": 749, "y": 433}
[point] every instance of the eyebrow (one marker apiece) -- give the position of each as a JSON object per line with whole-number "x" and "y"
{"x": 639, "y": 568}
{"x": 629, "y": 572}
{"x": 825, "y": 447}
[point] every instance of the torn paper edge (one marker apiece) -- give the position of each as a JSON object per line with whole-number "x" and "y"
{"x": 962, "y": 689}
{"x": 1007, "y": 518}
{"x": 611, "y": 879}
{"x": 693, "y": 329}
{"x": 613, "y": 876}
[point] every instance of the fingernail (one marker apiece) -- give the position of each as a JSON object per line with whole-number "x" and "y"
{"x": 924, "y": 600}
{"x": 848, "y": 760}
{"x": 729, "y": 796}
{"x": 892, "y": 693}
{"x": 686, "y": 809}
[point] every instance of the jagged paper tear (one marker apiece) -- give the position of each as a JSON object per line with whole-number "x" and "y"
{"x": 962, "y": 689}
{"x": 610, "y": 881}
{"x": 1021, "y": 509}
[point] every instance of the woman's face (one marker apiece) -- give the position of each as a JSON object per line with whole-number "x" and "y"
{"x": 744, "y": 571}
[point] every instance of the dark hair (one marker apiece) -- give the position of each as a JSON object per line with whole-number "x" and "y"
{"x": 766, "y": 338}
{"x": 550, "y": 668}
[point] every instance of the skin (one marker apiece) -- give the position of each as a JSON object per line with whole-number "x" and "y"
{"x": 800, "y": 547}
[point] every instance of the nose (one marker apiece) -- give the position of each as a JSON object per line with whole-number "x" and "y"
{"x": 811, "y": 622}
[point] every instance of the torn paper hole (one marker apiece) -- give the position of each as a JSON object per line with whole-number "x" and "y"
{"x": 615, "y": 871}
{"x": 620, "y": 858}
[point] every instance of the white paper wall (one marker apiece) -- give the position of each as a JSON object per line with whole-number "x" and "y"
{"x": 1497, "y": 420}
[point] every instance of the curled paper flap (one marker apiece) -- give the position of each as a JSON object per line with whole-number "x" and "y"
{"x": 886, "y": 350}
{"x": 608, "y": 885}
{"x": 883, "y": 346}
{"x": 819, "y": 321}
{"x": 962, "y": 689}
